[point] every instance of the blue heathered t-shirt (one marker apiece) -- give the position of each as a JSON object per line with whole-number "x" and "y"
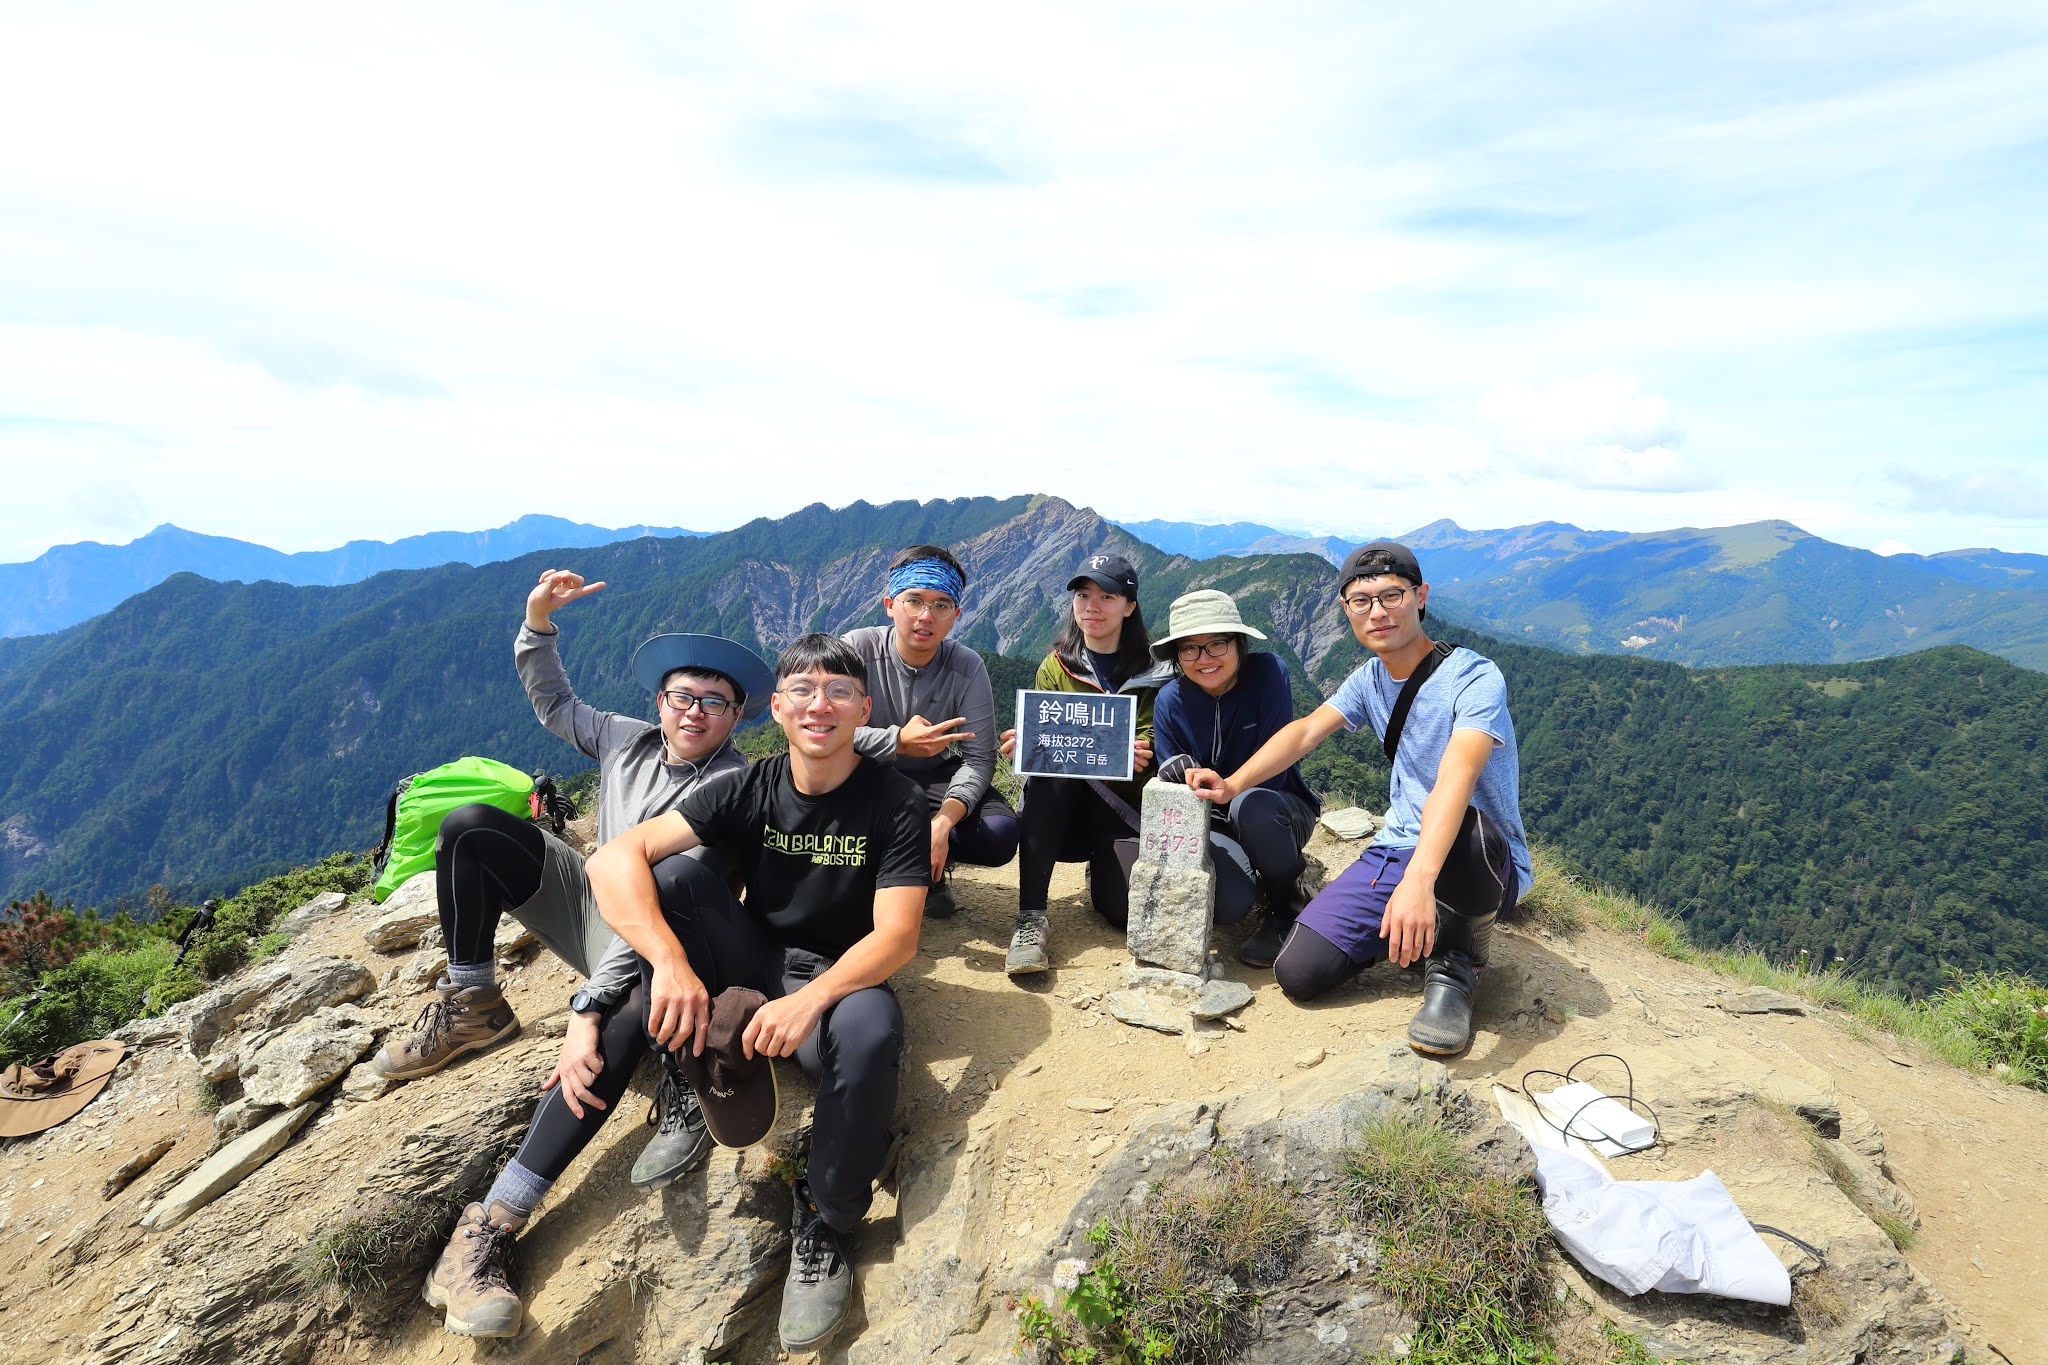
{"x": 1466, "y": 692}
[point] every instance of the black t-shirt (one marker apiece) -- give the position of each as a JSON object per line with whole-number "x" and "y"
{"x": 812, "y": 864}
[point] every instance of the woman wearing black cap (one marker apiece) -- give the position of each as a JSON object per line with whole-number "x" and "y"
{"x": 1102, "y": 647}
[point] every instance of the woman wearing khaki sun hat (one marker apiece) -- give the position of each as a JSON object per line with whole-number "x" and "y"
{"x": 1223, "y": 703}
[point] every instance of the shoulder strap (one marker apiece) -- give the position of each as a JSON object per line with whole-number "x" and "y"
{"x": 1399, "y": 718}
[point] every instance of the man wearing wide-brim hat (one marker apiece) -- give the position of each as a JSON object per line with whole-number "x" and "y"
{"x": 490, "y": 863}
{"x": 1223, "y": 703}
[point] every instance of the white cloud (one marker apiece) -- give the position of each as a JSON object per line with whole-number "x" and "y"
{"x": 1150, "y": 258}
{"x": 1889, "y": 548}
{"x": 1596, "y": 431}
{"x": 1993, "y": 493}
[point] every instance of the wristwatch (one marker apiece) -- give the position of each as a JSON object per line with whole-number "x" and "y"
{"x": 585, "y": 1001}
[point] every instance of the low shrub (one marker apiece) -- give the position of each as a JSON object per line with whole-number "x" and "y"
{"x": 88, "y": 997}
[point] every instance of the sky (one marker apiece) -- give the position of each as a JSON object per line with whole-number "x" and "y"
{"x": 304, "y": 274}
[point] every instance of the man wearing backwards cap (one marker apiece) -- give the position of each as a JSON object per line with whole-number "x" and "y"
{"x": 1451, "y": 855}
{"x": 934, "y": 716}
{"x": 489, "y": 862}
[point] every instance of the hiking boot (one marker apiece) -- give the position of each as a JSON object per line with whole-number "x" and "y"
{"x": 1450, "y": 976}
{"x": 938, "y": 898}
{"x": 473, "y": 1278}
{"x": 681, "y": 1141}
{"x": 819, "y": 1288}
{"x": 464, "y": 1019}
{"x": 1027, "y": 946}
{"x": 1262, "y": 945}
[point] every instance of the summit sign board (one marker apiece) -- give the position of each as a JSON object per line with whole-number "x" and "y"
{"x": 1076, "y": 734}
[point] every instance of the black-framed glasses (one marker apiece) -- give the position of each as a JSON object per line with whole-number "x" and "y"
{"x": 710, "y": 706}
{"x": 839, "y": 692}
{"x": 1215, "y": 649}
{"x": 1359, "y": 603}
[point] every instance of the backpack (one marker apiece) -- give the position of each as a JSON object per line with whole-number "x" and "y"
{"x": 414, "y": 811}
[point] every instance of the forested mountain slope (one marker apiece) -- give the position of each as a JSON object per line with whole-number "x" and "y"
{"x": 204, "y": 732}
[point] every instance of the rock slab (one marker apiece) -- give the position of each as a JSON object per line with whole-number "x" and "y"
{"x": 409, "y": 912}
{"x": 1352, "y": 822}
{"x": 291, "y": 1067}
{"x": 226, "y": 1168}
{"x": 271, "y": 996}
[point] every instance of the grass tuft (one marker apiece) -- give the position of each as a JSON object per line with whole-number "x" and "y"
{"x": 1179, "y": 1279}
{"x": 1828, "y": 1159}
{"x": 389, "y": 1241}
{"x": 1461, "y": 1251}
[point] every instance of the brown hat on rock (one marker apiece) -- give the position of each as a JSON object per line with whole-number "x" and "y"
{"x": 737, "y": 1092}
{"x": 39, "y": 1095}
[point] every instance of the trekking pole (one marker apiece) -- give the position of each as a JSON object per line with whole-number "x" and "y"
{"x": 32, "y": 997}
{"x": 199, "y": 925}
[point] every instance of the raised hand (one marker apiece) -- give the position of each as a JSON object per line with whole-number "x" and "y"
{"x": 557, "y": 588}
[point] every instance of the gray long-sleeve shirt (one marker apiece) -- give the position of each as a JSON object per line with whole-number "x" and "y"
{"x": 636, "y": 781}
{"x": 954, "y": 683}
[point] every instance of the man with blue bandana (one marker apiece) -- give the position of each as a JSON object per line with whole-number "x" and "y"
{"x": 934, "y": 716}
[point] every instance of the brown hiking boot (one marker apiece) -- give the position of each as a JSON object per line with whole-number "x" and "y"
{"x": 473, "y": 1278}
{"x": 463, "y": 1020}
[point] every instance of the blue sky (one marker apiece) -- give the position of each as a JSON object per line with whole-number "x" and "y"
{"x": 301, "y": 276}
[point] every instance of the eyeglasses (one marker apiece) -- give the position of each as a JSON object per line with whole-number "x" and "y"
{"x": 837, "y": 692}
{"x": 1360, "y": 603}
{"x": 710, "y": 706}
{"x": 1215, "y": 649}
{"x": 921, "y": 606}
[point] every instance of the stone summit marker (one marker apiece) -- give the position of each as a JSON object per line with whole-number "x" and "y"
{"x": 1173, "y": 884}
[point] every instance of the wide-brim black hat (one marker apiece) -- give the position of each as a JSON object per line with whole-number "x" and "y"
{"x": 663, "y": 654}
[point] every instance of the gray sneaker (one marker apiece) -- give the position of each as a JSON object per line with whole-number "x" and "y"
{"x": 819, "y": 1288}
{"x": 680, "y": 1142}
{"x": 1027, "y": 946}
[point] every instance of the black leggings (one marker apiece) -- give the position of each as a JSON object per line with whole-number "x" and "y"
{"x": 556, "y": 1137}
{"x": 1065, "y": 821}
{"x": 486, "y": 861}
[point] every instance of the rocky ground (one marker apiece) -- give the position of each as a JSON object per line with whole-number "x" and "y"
{"x": 1027, "y": 1108}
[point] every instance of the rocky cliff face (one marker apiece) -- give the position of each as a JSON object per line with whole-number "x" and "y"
{"x": 1028, "y": 1112}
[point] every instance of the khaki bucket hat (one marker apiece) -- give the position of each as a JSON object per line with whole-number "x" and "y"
{"x": 39, "y": 1095}
{"x": 1205, "y": 611}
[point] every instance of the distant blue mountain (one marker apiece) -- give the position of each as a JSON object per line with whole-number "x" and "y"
{"x": 1198, "y": 541}
{"x": 70, "y": 583}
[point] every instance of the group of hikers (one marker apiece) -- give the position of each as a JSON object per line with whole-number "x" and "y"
{"x": 737, "y": 912}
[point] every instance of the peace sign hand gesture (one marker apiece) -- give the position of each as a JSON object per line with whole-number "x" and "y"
{"x": 557, "y": 587}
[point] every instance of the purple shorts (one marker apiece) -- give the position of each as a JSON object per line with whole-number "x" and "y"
{"x": 1478, "y": 878}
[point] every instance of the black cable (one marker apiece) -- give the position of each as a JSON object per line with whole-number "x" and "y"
{"x": 1566, "y": 1077}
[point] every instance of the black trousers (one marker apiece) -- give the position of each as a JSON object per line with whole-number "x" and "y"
{"x": 855, "y": 1055}
{"x": 1065, "y": 821}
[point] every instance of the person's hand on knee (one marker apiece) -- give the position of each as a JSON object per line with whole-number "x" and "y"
{"x": 576, "y": 1070}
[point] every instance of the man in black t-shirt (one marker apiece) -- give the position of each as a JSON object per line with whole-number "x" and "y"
{"x": 834, "y": 851}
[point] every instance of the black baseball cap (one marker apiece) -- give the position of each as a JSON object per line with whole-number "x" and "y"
{"x": 1111, "y": 573}
{"x": 1380, "y": 557}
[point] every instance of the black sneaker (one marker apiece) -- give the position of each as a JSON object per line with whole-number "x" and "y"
{"x": 1263, "y": 944}
{"x": 819, "y": 1288}
{"x": 680, "y": 1142}
{"x": 938, "y": 899}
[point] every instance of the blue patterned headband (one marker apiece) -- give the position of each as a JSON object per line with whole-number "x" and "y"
{"x": 935, "y": 574}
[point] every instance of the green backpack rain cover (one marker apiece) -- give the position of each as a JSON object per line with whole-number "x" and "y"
{"x": 412, "y": 817}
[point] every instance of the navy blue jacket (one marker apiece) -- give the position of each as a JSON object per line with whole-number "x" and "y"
{"x": 1223, "y": 732}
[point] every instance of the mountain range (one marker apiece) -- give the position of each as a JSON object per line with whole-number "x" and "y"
{"x": 1764, "y": 592}
{"x": 204, "y": 733}
{"x": 69, "y": 583}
